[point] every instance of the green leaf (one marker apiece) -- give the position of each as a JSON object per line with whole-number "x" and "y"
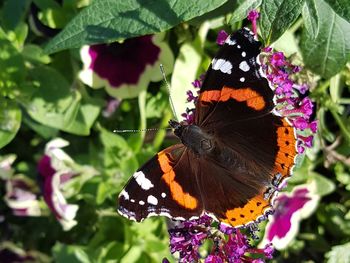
{"x": 68, "y": 253}
{"x": 243, "y": 8}
{"x": 324, "y": 186}
{"x": 328, "y": 53}
{"x": 341, "y": 7}
{"x": 10, "y": 121}
{"x": 12, "y": 67}
{"x": 52, "y": 102}
{"x": 34, "y": 53}
{"x": 13, "y": 12}
{"x": 185, "y": 71}
{"x": 311, "y": 17}
{"x": 110, "y": 20}
{"x": 277, "y": 16}
{"x": 339, "y": 254}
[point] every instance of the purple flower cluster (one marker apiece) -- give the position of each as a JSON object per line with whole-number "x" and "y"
{"x": 192, "y": 97}
{"x": 283, "y": 77}
{"x": 229, "y": 244}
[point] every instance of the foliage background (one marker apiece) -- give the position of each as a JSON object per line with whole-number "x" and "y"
{"x": 41, "y": 98}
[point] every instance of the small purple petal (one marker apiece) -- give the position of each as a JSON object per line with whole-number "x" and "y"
{"x": 222, "y": 36}
{"x": 112, "y": 106}
{"x": 300, "y": 123}
{"x": 313, "y": 126}
{"x": 213, "y": 259}
{"x": 253, "y": 15}
{"x": 267, "y": 49}
{"x": 277, "y": 59}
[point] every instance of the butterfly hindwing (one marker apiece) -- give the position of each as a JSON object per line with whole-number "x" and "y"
{"x": 162, "y": 186}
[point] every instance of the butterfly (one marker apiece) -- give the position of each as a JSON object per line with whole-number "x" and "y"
{"x": 231, "y": 159}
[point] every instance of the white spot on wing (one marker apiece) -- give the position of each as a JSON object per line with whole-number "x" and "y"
{"x": 221, "y": 64}
{"x": 141, "y": 202}
{"x": 230, "y": 42}
{"x": 132, "y": 200}
{"x": 243, "y": 54}
{"x": 244, "y": 66}
{"x": 152, "y": 200}
{"x": 163, "y": 195}
{"x": 238, "y": 46}
{"x": 124, "y": 194}
{"x": 242, "y": 79}
{"x": 142, "y": 181}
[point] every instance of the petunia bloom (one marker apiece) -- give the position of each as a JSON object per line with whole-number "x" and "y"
{"x": 290, "y": 210}
{"x": 126, "y": 68}
{"x": 21, "y": 198}
{"x": 55, "y": 171}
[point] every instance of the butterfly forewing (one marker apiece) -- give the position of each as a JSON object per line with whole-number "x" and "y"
{"x": 165, "y": 185}
{"x": 234, "y": 87}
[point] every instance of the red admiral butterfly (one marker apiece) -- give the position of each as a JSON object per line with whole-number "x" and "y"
{"x": 231, "y": 158}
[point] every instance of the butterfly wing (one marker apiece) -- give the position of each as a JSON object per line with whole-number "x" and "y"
{"x": 236, "y": 107}
{"x": 234, "y": 86}
{"x": 165, "y": 185}
{"x": 240, "y": 180}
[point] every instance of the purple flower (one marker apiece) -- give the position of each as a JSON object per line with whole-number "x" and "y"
{"x": 222, "y": 36}
{"x": 290, "y": 210}
{"x": 300, "y": 123}
{"x": 125, "y": 69}
{"x": 282, "y": 76}
{"x": 187, "y": 237}
{"x": 55, "y": 172}
{"x": 21, "y": 198}
{"x": 277, "y": 59}
{"x": 213, "y": 259}
{"x": 253, "y": 16}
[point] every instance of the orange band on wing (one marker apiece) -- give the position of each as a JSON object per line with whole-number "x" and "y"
{"x": 286, "y": 149}
{"x": 249, "y": 212}
{"x": 177, "y": 193}
{"x": 253, "y": 99}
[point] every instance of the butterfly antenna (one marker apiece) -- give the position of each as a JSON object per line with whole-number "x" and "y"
{"x": 142, "y": 130}
{"x": 168, "y": 87}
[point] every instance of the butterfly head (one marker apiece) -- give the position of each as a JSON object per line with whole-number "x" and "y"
{"x": 178, "y": 127}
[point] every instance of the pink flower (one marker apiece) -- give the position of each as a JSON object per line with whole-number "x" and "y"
{"x": 125, "y": 69}
{"x": 290, "y": 210}
{"x": 55, "y": 172}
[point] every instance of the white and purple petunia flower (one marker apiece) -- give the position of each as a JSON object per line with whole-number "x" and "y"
{"x": 126, "y": 68}
{"x": 55, "y": 170}
{"x": 290, "y": 210}
{"x": 20, "y": 196}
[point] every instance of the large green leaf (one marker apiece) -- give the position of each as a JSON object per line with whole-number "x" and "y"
{"x": 330, "y": 50}
{"x": 10, "y": 121}
{"x": 341, "y": 7}
{"x": 310, "y": 17}
{"x": 277, "y": 16}
{"x": 109, "y": 20}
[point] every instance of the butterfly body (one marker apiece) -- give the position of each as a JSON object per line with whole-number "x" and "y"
{"x": 230, "y": 159}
